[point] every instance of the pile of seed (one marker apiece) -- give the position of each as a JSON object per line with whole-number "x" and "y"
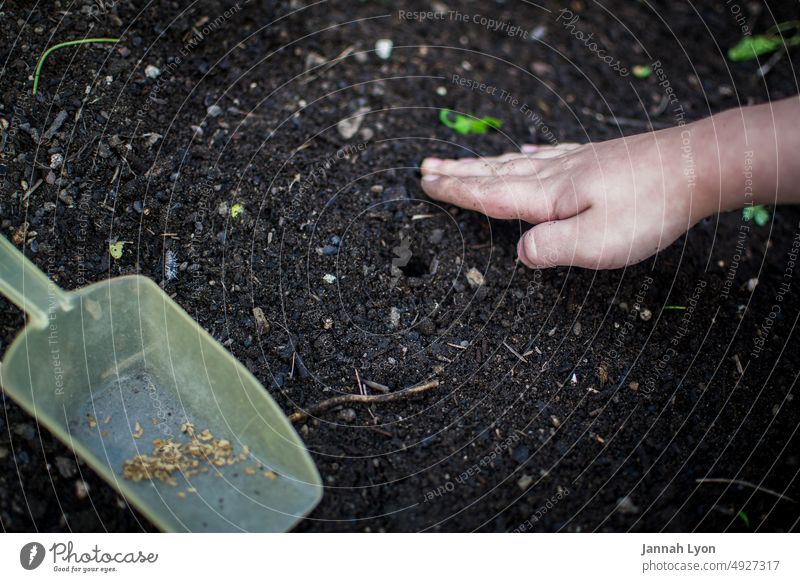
{"x": 202, "y": 452}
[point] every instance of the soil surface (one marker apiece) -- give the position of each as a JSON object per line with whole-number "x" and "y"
{"x": 569, "y": 400}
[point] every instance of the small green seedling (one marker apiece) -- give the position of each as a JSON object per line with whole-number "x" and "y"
{"x": 467, "y": 124}
{"x": 61, "y": 45}
{"x": 758, "y": 214}
{"x": 115, "y": 249}
{"x": 675, "y": 307}
{"x": 642, "y": 71}
{"x": 236, "y": 210}
{"x": 743, "y": 516}
{"x": 754, "y": 46}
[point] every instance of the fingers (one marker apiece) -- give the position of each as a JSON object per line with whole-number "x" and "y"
{"x": 509, "y": 197}
{"x": 511, "y": 164}
{"x": 560, "y": 243}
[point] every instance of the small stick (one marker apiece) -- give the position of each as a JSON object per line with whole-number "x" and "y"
{"x": 515, "y": 352}
{"x": 456, "y": 346}
{"x": 362, "y": 399}
{"x": 747, "y": 484}
{"x": 375, "y": 386}
{"x": 359, "y": 386}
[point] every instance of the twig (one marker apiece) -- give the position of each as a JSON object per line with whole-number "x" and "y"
{"x": 375, "y": 386}
{"x": 515, "y": 352}
{"x": 456, "y": 346}
{"x": 764, "y": 69}
{"x": 359, "y": 386}
{"x": 62, "y": 45}
{"x": 747, "y": 484}
{"x": 362, "y": 399}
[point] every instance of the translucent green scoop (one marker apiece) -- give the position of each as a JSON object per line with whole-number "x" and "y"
{"x": 117, "y": 365}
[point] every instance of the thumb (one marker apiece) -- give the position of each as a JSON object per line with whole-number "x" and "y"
{"x": 552, "y": 244}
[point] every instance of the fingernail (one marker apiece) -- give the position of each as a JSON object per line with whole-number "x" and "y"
{"x": 429, "y": 177}
{"x": 521, "y": 252}
{"x": 431, "y": 163}
{"x": 529, "y": 149}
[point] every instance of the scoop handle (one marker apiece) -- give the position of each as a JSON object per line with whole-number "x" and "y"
{"x": 28, "y": 287}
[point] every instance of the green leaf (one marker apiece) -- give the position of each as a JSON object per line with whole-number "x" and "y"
{"x": 751, "y": 47}
{"x": 115, "y": 249}
{"x": 758, "y": 214}
{"x": 465, "y": 124}
{"x": 744, "y": 518}
{"x": 641, "y": 71}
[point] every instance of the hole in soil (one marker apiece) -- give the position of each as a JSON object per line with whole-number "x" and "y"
{"x": 416, "y": 267}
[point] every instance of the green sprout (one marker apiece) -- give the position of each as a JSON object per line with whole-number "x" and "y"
{"x": 676, "y": 307}
{"x": 236, "y": 210}
{"x": 752, "y": 47}
{"x": 62, "y": 45}
{"x": 744, "y": 518}
{"x": 641, "y": 71}
{"x": 466, "y": 124}
{"x": 115, "y": 249}
{"x": 758, "y": 214}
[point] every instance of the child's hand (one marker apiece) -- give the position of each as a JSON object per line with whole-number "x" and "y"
{"x": 600, "y": 206}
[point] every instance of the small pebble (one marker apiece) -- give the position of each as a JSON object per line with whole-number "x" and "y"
{"x": 349, "y": 126}
{"x": 626, "y": 506}
{"x": 56, "y": 160}
{"x": 524, "y": 482}
{"x": 646, "y": 314}
{"x": 329, "y": 279}
{"x": 214, "y": 110}
{"x": 752, "y": 284}
{"x": 347, "y": 415}
{"x": 152, "y": 72}
{"x": 475, "y": 277}
{"x": 383, "y": 48}
{"x": 81, "y": 489}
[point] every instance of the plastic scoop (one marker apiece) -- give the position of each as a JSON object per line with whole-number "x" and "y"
{"x": 117, "y": 365}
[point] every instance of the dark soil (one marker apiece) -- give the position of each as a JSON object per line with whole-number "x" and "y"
{"x": 602, "y": 427}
